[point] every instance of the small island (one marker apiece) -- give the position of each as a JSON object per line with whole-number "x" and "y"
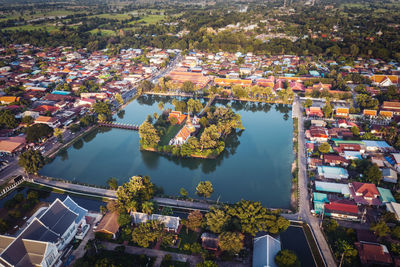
{"x": 198, "y": 133}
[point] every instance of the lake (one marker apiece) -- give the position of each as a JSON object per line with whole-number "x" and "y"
{"x": 255, "y": 166}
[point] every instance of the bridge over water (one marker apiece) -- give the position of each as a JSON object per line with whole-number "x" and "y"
{"x": 119, "y": 125}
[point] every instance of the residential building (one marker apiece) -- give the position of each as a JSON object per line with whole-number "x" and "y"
{"x": 42, "y": 242}
{"x": 265, "y": 249}
{"x": 170, "y": 223}
{"x": 373, "y": 254}
{"x": 365, "y": 194}
{"x": 109, "y": 224}
{"x": 389, "y": 175}
{"x": 329, "y": 172}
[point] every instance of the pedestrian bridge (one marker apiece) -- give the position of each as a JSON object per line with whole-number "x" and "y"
{"x": 119, "y": 125}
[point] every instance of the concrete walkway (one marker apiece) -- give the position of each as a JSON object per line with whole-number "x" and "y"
{"x": 158, "y": 254}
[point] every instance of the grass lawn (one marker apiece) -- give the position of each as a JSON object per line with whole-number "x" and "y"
{"x": 103, "y": 32}
{"x": 171, "y": 132}
{"x": 31, "y": 28}
{"x": 184, "y": 238}
{"x": 112, "y": 16}
{"x": 148, "y": 19}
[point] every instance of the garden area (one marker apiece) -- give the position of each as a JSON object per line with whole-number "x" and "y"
{"x": 20, "y": 207}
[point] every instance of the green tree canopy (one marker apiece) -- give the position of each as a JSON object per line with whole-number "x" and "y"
{"x": 32, "y": 161}
{"x": 204, "y": 189}
{"x": 216, "y": 219}
{"x": 324, "y": 148}
{"x": 231, "y": 242}
{"x": 287, "y": 258}
{"x": 37, "y": 131}
{"x": 149, "y": 136}
{"x": 134, "y": 192}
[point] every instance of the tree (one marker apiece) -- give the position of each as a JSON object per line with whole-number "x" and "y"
{"x": 194, "y": 106}
{"x": 146, "y": 233}
{"x": 327, "y": 110}
{"x": 194, "y": 220}
{"x": 204, "y": 189}
{"x": 346, "y": 250}
{"x": 149, "y": 136}
{"x": 32, "y": 161}
{"x": 231, "y": 242}
{"x": 287, "y": 258}
{"x": 147, "y": 207}
{"x": 37, "y": 131}
{"x": 161, "y": 105}
{"x": 209, "y": 137}
{"x": 373, "y": 174}
{"x": 308, "y": 103}
{"x": 27, "y": 120}
{"x": 119, "y": 98}
{"x": 7, "y": 119}
{"x": 216, "y": 219}
{"x": 355, "y": 130}
{"x": 59, "y": 134}
{"x": 207, "y": 263}
{"x": 145, "y": 86}
{"x": 253, "y": 217}
{"x": 134, "y": 192}
{"x": 324, "y": 148}
{"x": 183, "y": 192}
{"x": 103, "y": 110}
{"x": 188, "y": 87}
{"x": 124, "y": 219}
{"x": 113, "y": 183}
{"x": 380, "y": 229}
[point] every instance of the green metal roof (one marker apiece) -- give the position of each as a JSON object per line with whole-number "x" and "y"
{"x": 340, "y": 141}
{"x": 386, "y": 195}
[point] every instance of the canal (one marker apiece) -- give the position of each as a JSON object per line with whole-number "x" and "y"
{"x": 255, "y": 166}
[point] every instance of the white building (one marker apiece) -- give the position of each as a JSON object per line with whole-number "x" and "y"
{"x": 42, "y": 242}
{"x": 265, "y": 249}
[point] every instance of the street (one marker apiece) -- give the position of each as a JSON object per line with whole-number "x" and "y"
{"x": 304, "y": 198}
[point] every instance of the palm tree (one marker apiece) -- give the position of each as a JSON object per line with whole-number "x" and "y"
{"x": 147, "y": 207}
{"x": 131, "y": 206}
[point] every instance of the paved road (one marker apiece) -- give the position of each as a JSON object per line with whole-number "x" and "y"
{"x": 111, "y": 194}
{"x": 304, "y": 197}
{"x": 192, "y": 260}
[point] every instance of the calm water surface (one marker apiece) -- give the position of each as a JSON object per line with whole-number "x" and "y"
{"x": 256, "y": 165}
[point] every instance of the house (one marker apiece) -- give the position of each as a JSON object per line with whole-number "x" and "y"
{"x": 386, "y": 114}
{"x": 319, "y": 123}
{"x": 209, "y": 241}
{"x": 170, "y": 223}
{"x": 50, "y": 121}
{"x": 373, "y": 146}
{"x": 8, "y": 99}
{"x": 328, "y": 172}
{"x": 336, "y": 188}
{"x": 370, "y": 113}
{"x": 385, "y": 195}
{"x": 343, "y": 210}
{"x": 389, "y": 175}
{"x": 314, "y": 112}
{"x": 85, "y": 102}
{"x": 373, "y": 254}
{"x": 109, "y": 224}
{"x": 394, "y": 208}
{"x": 42, "y": 242}
{"x": 318, "y": 134}
{"x": 178, "y": 115}
{"x": 334, "y": 160}
{"x": 10, "y": 146}
{"x": 342, "y": 112}
{"x": 365, "y": 193}
{"x": 265, "y": 249}
{"x": 391, "y": 106}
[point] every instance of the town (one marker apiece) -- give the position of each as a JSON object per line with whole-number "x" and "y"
{"x": 212, "y": 146}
